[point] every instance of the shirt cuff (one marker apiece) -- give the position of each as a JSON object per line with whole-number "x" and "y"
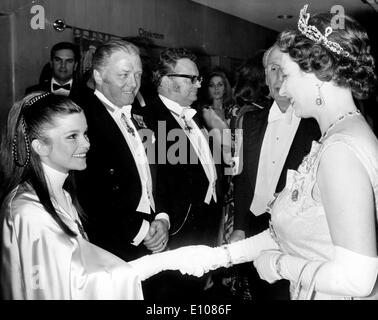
{"x": 165, "y": 216}
{"x": 142, "y": 233}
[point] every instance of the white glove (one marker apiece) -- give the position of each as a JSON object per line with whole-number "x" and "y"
{"x": 348, "y": 274}
{"x": 265, "y": 265}
{"x": 197, "y": 260}
{"x": 249, "y": 249}
{"x": 192, "y": 260}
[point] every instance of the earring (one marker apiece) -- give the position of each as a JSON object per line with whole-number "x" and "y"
{"x": 319, "y": 100}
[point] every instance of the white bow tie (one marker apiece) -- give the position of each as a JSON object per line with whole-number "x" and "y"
{"x": 188, "y": 113}
{"x": 276, "y": 114}
{"x": 126, "y": 110}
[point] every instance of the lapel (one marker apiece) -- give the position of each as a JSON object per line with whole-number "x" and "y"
{"x": 163, "y": 114}
{"x": 308, "y": 131}
{"x": 107, "y": 138}
{"x": 254, "y": 129}
{"x": 147, "y": 137}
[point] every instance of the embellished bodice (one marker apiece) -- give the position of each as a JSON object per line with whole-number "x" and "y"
{"x": 298, "y": 219}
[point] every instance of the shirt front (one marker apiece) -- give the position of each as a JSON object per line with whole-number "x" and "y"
{"x": 276, "y": 144}
{"x": 198, "y": 141}
{"x": 122, "y": 117}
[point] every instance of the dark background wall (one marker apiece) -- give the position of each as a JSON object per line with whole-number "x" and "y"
{"x": 220, "y": 39}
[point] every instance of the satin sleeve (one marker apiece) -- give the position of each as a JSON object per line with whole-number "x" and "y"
{"x": 39, "y": 261}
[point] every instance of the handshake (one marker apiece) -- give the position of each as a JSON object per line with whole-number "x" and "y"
{"x": 191, "y": 260}
{"x": 197, "y": 260}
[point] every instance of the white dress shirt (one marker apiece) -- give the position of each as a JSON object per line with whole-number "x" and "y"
{"x": 122, "y": 117}
{"x": 277, "y": 141}
{"x": 183, "y": 116}
{"x": 61, "y": 91}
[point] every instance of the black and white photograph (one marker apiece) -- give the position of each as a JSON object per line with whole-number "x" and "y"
{"x": 192, "y": 158}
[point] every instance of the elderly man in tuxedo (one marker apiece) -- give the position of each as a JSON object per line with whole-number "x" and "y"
{"x": 117, "y": 190}
{"x": 274, "y": 140}
{"x": 64, "y": 59}
{"x": 189, "y": 178}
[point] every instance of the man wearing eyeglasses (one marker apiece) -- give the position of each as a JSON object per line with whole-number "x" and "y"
{"x": 188, "y": 177}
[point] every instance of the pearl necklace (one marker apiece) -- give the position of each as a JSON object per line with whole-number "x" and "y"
{"x": 341, "y": 118}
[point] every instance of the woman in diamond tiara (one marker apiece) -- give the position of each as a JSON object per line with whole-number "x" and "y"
{"x": 325, "y": 219}
{"x": 323, "y": 234}
{"x": 45, "y": 252}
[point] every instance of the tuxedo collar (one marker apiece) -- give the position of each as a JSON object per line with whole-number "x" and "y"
{"x": 275, "y": 114}
{"x": 177, "y": 109}
{"x": 56, "y": 82}
{"x": 111, "y": 107}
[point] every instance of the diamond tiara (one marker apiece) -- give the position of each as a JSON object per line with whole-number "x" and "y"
{"x": 314, "y": 34}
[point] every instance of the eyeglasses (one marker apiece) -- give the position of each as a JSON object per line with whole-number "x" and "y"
{"x": 193, "y": 79}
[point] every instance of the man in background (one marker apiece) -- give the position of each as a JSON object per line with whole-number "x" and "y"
{"x": 60, "y": 77}
{"x": 274, "y": 141}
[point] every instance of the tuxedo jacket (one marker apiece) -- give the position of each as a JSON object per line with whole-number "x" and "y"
{"x": 109, "y": 189}
{"x": 181, "y": 187}
{"x": 254, "y": 128}
{"x": 75, "y": 91}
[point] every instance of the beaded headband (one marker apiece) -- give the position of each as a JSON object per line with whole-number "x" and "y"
{"x": 312, "y": 32}
{"x": 37, "y": 98}
{"x": 21, "y": 120}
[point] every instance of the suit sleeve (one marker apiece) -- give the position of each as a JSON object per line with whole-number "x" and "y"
{"x": 242, "y": 185}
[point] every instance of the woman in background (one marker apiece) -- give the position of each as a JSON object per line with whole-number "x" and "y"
{"x": 218, "y": 94}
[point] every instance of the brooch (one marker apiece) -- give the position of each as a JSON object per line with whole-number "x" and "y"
{"x": 186, "y": 125}
{"x": 294, "y": 195}
{"x": 139, "y": 120}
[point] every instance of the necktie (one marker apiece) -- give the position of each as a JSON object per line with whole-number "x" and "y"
{"x": 186, "y": 114}
{"x": 126, "y": 117}
{"x": 65, "y": 87}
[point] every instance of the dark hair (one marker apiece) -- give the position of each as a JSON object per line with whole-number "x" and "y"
{"x": 105, "y": 51}
{"x": 355, "y": 71}
{"x": 227, "y": 97}
{"x": 65, "y": 45}
{"x": 27, "y": 120}
{"x": 250, "y": 83}
{"x": 167, "y": 62}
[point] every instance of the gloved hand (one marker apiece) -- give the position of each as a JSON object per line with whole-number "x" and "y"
{"x": 197, "y": 260}
{"x": 265, "y": 265}
{"x": 192, "y": 260}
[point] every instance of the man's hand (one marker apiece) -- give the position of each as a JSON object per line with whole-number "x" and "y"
{"x": 157, "y": 236}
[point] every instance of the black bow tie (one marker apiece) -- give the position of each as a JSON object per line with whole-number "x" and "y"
{"x": 65, "y": 87}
